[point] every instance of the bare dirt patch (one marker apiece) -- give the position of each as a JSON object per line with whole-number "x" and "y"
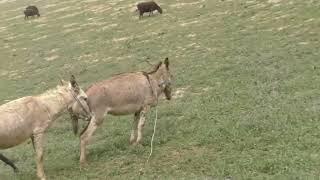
{"x": 179, "y": 93}
{"x": 120, "y": 39}
{"x": 179, "y": 5}
{"x": 51, "y": 58}
{"x": 188, "y": 23}
{"x": 6, "y": 1}
{"x": 82, "y": 42}
{"x": 39, "y": 38}
{"x": 70, "y": 15}
{"x": 71, "y": 30}
{"x": 70, "y": 25}
{"x": 274, "y": 1}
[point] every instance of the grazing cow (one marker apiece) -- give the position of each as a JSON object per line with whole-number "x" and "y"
{"x": 31, "y": 116}
{"x": 31, "y": 11}
{"x": 9, "y": 162}
{"x": 148, "y": 7}
{"x": 123, "y": 94}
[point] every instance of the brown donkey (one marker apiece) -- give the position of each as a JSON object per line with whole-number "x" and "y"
{"x": 31, "y": 116}
{"x": 123, "y": 94}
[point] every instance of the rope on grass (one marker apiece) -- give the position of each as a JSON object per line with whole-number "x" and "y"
{"x": 154, "y": 131}
{"x": 151, "y": 143}
{"x": 154, "y": 127}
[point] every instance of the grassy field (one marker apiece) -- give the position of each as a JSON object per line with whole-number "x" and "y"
{"x": 247, "y": 80}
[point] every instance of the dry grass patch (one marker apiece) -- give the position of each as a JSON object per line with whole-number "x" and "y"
{"x": 180, "y": 5}
{"x": 274, "y": 1}
{"x": 39, "y": 38}
{"x": 51, "y": 58}
{"x": 179, "y": 93}
{"x": 70, "y": 15}
{"x": 71, "y": 30}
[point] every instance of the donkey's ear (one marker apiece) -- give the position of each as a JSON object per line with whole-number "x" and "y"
{"x": 157, "y": 66}
{"x": 73, "y": 81}
{"x": 166, "y": 62}
{"x": 63, "y": 82}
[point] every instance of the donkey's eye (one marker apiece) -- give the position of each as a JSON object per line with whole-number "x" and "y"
{"x": 84, "y": 98}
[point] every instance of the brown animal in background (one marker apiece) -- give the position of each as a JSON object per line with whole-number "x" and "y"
{"x": 31, "y": 11}
{"x": 148, "y": 7}
{"x": 123, "y": 94}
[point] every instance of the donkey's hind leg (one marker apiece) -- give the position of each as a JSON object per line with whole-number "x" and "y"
{"x": 133, "y": 136}
{"x": 9, "y": 162}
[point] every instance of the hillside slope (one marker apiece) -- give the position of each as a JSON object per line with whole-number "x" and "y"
{"x": 246, "y": 85}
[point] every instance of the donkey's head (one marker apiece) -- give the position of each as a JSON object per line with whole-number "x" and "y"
{"x": 75, "y": 93}
{"x": 159, "y": 9}
{"x": 164, "y": 77}
{"x": 80, "y": 94}
{"x": 167, "y": 80}
{"x": 79, "y": 105}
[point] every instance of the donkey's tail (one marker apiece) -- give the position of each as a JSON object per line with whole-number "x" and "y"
{"x": 9, "y": 162}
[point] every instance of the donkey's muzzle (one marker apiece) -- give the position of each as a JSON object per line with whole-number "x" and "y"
{"x": 167, "y": 92}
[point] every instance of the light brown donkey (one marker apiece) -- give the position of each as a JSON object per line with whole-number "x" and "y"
{"x": 31, "y": 116}
{"x": 123, "y": 94}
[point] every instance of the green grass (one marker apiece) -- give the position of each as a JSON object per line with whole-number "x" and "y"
{"x": 249, "y": 71}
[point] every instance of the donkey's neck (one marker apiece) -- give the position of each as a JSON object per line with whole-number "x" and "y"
{"x": 156, "y": 78}
{"x": 54, "y": 102}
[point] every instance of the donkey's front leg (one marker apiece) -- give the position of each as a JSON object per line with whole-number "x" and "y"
{"x": 141, "y": 123}
{"x": 85, "y": 138}
{"x": 134, "y": 127}
{"x": 38, "y": 143}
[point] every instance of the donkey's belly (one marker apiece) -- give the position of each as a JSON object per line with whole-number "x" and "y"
{"x": 13, "y": 140}
{"x": 10, "y": 136}
{"x": 124, "y": 109}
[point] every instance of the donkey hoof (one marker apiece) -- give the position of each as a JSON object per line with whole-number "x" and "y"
{"x": 137, "y": 144}
{"x": 42, "y": 178}
{"x": 132, "y": 141}
{"x": 83, "y": 164}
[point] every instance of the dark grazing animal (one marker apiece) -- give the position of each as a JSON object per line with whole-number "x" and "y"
{"x": 148, "y": 7}
{"x": 31, "y": 11}
{"x": 9, "y": 162}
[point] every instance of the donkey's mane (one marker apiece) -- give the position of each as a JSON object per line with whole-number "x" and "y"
{"x": 54, "y": 91}
{"x": 156, "y": 68}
